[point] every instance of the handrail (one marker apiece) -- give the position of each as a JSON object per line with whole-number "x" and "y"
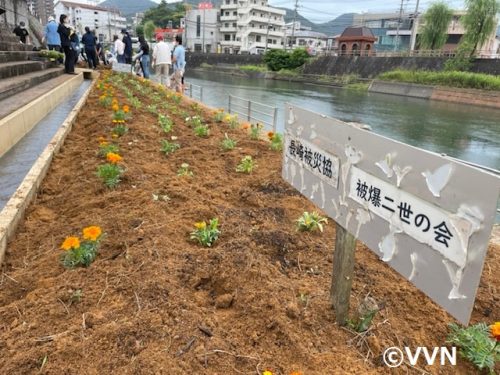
{"x": 251, "y": 112}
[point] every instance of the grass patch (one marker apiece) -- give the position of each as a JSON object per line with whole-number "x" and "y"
{"x": 357, "y": 86}
{"x": 288, "y": 73}
{"x": 206, "y": 66}
{"x": 253, "y": 68}
{"x": 451, "y": 79}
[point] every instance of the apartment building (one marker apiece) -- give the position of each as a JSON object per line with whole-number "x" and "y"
{"x": 41, "y": 9}
{"x": 299, "y": 36}
{"x": 106, "y": 22}
{"x": 250, "y": 26}
{"x": 201, "y": 30}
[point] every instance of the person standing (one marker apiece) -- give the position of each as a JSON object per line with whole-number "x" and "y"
{"x": 119, "y": 49}
{"x": 127, "y": 40}
{"x": 179, "y": 63}
{"x": 144, "y": 59}
{"x": 21, "y": 32}
{"x": 162, "y": 59}
{"x": 51, "y": 36}
{"x": 65, "y": 32}
{"x": 75, "y": 44}
{"x": 88, "y": 41}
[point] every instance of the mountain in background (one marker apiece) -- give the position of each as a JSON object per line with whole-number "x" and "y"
{"x": 129, "y": 8}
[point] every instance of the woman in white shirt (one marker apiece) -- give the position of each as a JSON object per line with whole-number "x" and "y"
{"x": 162, "y": 59}
{"x": 119, "y": 49}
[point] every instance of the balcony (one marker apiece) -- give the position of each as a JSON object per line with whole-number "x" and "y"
{"x": 230, "y": 43}
{"x": 267, "y": 9}
{"x": 228, "y": 6}
{"x": 272, "y": 33}
{"x": 229, "y": 29}
{"x": 248, "y": 19}
{"x": 228, "y": 18}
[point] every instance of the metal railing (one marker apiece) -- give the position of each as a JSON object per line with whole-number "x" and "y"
{"x": 195, "y": 91}
{"x": 481, "y": 54}
{"x": 250, "y": 110}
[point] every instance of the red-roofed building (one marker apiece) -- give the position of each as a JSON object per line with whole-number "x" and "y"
{"x": 357, "y": 41}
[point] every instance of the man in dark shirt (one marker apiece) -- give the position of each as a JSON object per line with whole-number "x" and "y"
{"x": 127, "y": 40}
{"x": 21, "y": 32}
{"x": 88, "y": 41}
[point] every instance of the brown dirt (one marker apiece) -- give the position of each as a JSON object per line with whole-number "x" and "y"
{"x": 156, "y": 303}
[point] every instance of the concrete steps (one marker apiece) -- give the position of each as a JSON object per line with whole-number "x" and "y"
{"x": 8, "y": 56}
{"x": 14, "y": 46}
{"x": 14, "y": 85}
{"x": 17, "y": 68}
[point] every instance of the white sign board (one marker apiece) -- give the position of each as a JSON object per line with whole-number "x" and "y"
{"x": 428, "y": 216}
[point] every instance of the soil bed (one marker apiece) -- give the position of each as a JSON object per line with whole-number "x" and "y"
{"x": 155, "y": 302}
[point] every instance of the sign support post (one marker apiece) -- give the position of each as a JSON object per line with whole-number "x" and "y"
{"x": 343, "y": 270}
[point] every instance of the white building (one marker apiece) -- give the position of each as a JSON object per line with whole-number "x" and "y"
{"x": 201, "y": 30}
{"x": 250, "y": 26}
{"x": 302, "y": 37}
{"x": 106, "y": 22}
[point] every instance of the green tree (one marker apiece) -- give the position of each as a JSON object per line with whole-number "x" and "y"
{"x": 149, "y": 30}
{"x": 434, "y": 33}
{"x": 139, "y": 30}
{"x": 163, "y": 13}
{"x": 479, "y": 22}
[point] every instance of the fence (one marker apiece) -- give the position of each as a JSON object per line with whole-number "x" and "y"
{"x": 481, "y": 54}
{"x": 250, "y": 110}
{"x": 195, "y": 91}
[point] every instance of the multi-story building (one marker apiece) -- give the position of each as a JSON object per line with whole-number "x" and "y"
{"x": 41, "y": 9}
{"x": 201, "y": 30}
{"x": 298, "y": 36}
{"x": 250, "y": 26}
{"x": 106, "y": 22}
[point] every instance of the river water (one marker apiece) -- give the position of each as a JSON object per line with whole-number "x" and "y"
{"x": 462, "y": 131}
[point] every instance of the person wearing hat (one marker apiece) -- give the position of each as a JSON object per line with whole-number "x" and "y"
{"x": 21, "y": 32}
{"x": 51, "y": 36}
{"x": 127, "y": 40}
{"x": 162, "y": 59}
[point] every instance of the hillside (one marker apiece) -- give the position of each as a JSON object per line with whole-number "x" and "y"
{"x": 129, "y": 7}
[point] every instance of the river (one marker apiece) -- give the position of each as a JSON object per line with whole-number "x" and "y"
{"x": 462, "y": 131}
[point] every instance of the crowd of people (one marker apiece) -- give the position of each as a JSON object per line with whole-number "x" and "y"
{"x": 169, "y": 63}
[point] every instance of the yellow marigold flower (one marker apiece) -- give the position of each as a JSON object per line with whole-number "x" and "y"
{"x": 200, "y": 225}
{"x": 115, "y": 107}
{"x": 70, "y": 243}
{"x": 92, "y": 233}
{"x": 267, "y": 372}
{"x": 103, "y": 143}
{"x": 101, "y": 139}
{"x": 115, "y": 121}
{"x": 115, "y": 135}
{"x": 495, "y": 330}
{"x": 126, "y": 108}
{"x": 270, "y": 135}
{"x": 113, "y": 158}
{"x": 227, "y": 118}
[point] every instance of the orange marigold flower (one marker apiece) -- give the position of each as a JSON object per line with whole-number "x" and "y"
{"x": 115, "y": 107}
{"x": 295, "y": 373}
{"x": 270, "y": 135}
{"x": 101, "y": 139}
{"x": 113, "y": 158}
{"x": 126, "y": 108}
{"x": 104, "y": 143}
{"x": 92, "y": 233}
{"x": 70, "y": 243}
{"x": 495, "y": 330}
{"x": 246, "y": 126}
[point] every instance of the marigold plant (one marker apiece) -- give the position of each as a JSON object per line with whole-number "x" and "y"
{"x": 166, "y": 123}
{"x": 110, "y": 173}
{"x": 247, "y": 165}
{"x": 202, "y": 131}
{"x": 495, "y": 331}
{"x": 169, "y": 147}
{"x": 205, "y": 234}
{"x": 113, "y": 158}
{"x": 105, "y": 148}
{"x": 276, "y": 141}
{"x": 119, "y": 130}
{"x": 219, "y": 115}
{"x": 255, "y": 130}
{"x": 82, "y": 253}
{"x": 227, "y": 143}
{"x": 184, "y": 170}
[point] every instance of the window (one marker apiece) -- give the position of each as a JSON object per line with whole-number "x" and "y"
{"x": 197, "y": 48}
{"x": 227, "y": 37}
{"x": 269, "y": 41}
{"x": 227, "y": 14}
{"x": 235, "y": 13}
{"x": 274, "y": 41}
{"x": 226, "y": 25}
{"x": 234, "y": 24}
{"x": 257, "y": 38}
{"x": 198, "y": 26}
{"x": 228, "y": 2}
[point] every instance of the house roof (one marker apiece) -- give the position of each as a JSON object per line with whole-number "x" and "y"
{"x": 357, "y": 31}
{"x": 70, "y": 4}
{"x": 307, "y": 34}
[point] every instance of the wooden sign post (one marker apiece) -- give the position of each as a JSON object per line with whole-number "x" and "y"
{"x": 343, "y": 270}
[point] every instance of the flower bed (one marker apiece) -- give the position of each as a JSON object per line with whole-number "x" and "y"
{"x": 170, "y": 289}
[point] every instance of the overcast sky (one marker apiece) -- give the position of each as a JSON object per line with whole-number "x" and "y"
{"x": 326, "y": 10}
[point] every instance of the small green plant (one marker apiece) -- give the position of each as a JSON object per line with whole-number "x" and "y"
{"x": 169, "y": 147}
{"x": 205, "y": 234}
{"x": 194, "y": 121}
{"x": 177, "y": 98}
{"x": 81, "y": 253}
{"x": 152, "y": 109}
{"x": 476, "y": 345}
{"x": 119, "y": 130}
{"x": 227, "y": 143}
{"x": 219, "y": 115}
{"x": 105, "y": 148}
{"x": 363, "y": 318}
{"x": 255, "y": 130}
{"x": 76, "y": 296}
{"x": 184, "y": 170}
{"x": 276, "y": 140}
{"x": 110, "y": 173}
{"x": 310, "y": 222}
{"x": 247, "y": 164}
{"x": 201, "y": 130}
{"x": 105, "y": 100}
{"x": 136, "y": 103}
{"x": 232, "y": 121}
{"x": 165, "y": 122}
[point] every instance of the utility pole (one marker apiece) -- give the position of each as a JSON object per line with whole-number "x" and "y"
{"x": 203, "y": 33}
{"x": 267, "y": 34}
{"x": 396, "y": 44}
{"x": 414, "y": 28}
{"x": 294, "y": 20}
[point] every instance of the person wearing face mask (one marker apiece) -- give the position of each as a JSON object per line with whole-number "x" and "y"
{"x": 65, "y": 32}
{"x": 21, "y": 32}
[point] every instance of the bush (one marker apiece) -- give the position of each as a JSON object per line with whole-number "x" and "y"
{"x": 278, "y": 59}
{"x": 453, "y": 79}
